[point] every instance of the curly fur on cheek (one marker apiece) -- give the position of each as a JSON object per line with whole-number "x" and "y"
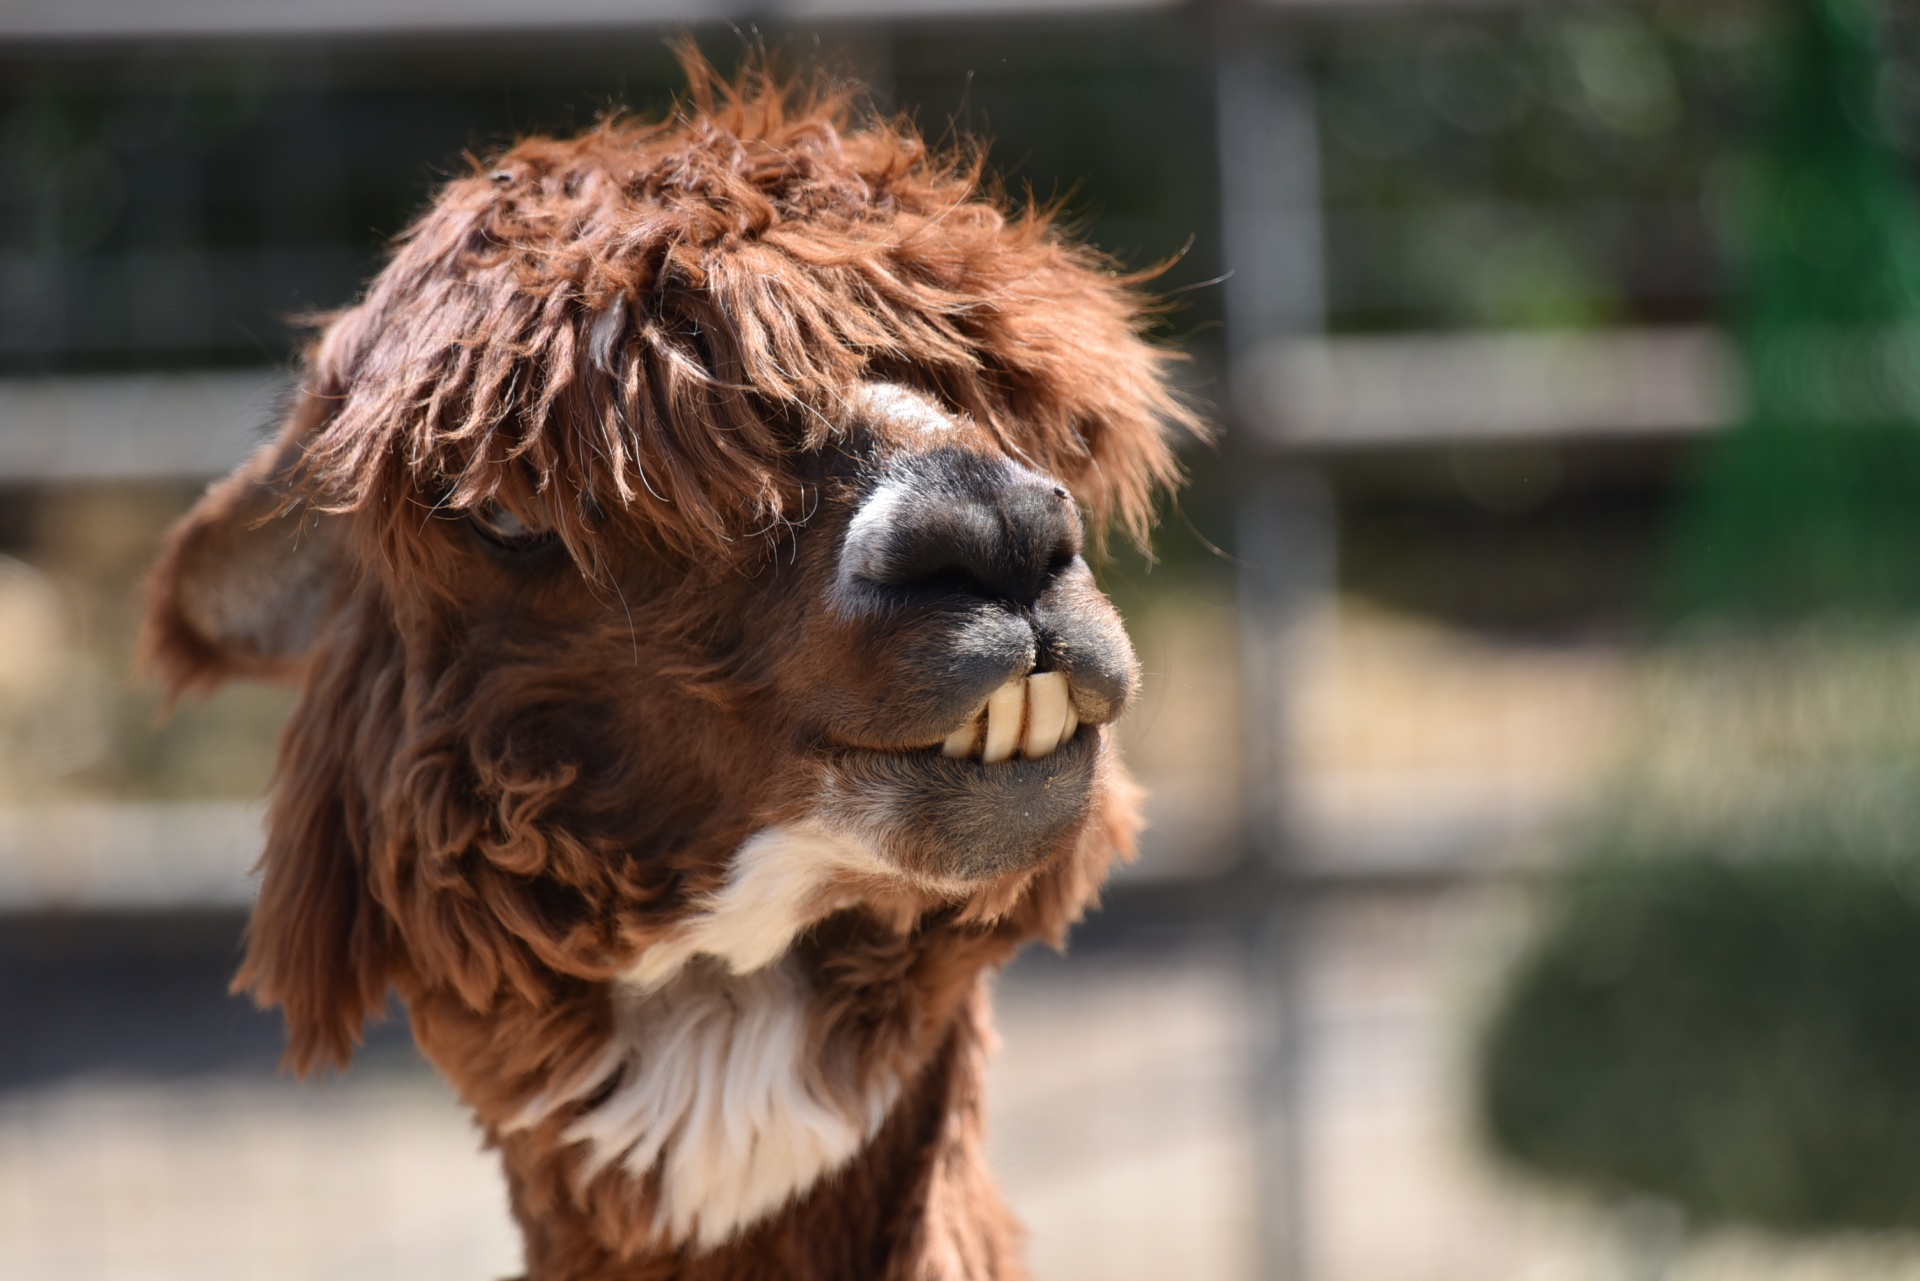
{"x": 711, "y": 1083}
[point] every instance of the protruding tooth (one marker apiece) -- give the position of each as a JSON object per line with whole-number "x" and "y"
{"x": 961, "y": 742}
{"x": 1047, "y": 707}
{"x": 1073, "y": 721}
{"x": 1005, "y": 709}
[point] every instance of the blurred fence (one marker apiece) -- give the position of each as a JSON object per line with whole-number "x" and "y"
{"x": 1455, "y": 281}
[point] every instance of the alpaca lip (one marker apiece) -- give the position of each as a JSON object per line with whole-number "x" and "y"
{"x": 978, "y": 763}
{"x": 966, "y": 820}
{"x": 1073, "y": 749}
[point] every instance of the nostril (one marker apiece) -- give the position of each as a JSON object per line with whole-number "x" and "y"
{"x": 937, "y": 580}
{"x": 936, "y": 559}
{"x": 972, "y": 529}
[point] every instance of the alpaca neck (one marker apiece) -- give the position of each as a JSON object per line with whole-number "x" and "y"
{"x": 712, "y": 1084}
{"x": 912, "y": 1199}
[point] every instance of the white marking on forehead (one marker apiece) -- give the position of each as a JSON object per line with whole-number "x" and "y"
{"x": 892, "y": 403}
{"x": 880, "y": 509}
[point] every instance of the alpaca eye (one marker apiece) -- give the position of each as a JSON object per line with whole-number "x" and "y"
{"x": 500, "y": 524}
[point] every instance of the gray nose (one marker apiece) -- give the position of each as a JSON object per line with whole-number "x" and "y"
{"x": 949, "y": 524}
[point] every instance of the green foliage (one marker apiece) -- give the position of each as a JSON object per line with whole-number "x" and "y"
{"x": 1530, "y": 166}
{"x": 1800, "y": 518}
{"x": 1740, "y": 1038}
{"x": 1810, "y": 505}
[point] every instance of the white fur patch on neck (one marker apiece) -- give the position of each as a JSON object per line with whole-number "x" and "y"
{"x": 710, "y": 1076}
{"x": 716, "y": 1086}
{"x": 779, "y": 885}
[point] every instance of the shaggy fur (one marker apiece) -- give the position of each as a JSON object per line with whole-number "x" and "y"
{"x": 605, "y": 762}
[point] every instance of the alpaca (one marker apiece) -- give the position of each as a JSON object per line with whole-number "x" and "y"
{"x": 678, "y": 550}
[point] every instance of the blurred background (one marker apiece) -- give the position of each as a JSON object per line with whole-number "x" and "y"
{"x": 1532, "y": 711}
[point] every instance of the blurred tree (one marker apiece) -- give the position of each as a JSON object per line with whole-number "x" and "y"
{"x": 1810, "y": 505}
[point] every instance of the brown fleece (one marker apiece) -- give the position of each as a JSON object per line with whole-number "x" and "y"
{"x": 514, "y": 767}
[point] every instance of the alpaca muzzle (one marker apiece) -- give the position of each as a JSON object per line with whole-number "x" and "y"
{"x": 973, "y": 667}
{"x": 971, "y": 619}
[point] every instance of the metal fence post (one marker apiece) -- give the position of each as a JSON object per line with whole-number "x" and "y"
{"x": 1270, "y": 223}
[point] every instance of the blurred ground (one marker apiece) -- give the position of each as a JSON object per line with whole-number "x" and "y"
{"x": 1126, "y": 1153}
{"x": 1120, "y": 1123}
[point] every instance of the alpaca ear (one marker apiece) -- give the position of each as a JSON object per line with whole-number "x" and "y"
{"x": 245, "y": 582}
{"x": 320, "y": 945}
{"x": 245, "y": 585}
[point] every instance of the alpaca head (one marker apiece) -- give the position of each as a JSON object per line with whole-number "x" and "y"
{"x": 681, "y": 543}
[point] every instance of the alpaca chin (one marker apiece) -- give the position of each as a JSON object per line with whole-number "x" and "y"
{"x": 708, "y": 1085}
